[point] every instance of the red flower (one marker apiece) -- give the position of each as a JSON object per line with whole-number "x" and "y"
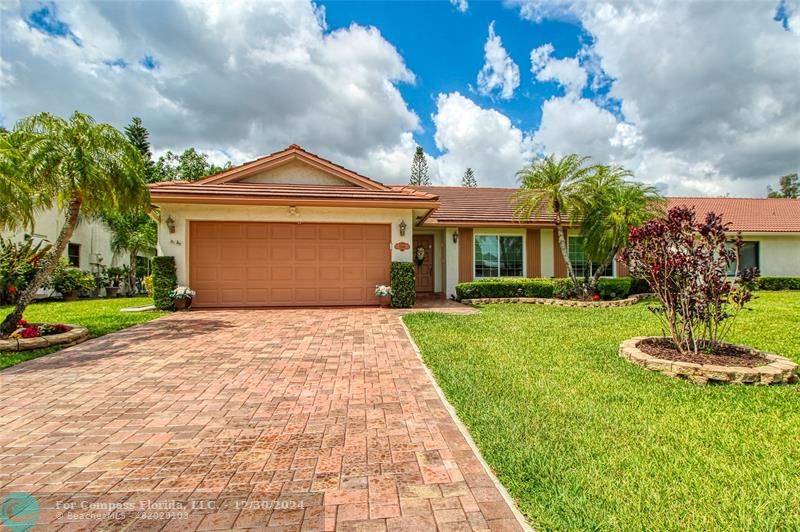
{"x": 32, "y": 331}
{"x": 12, "y": 288}
{"x": 596, "y": 297}
{"x": 22, "y": 323}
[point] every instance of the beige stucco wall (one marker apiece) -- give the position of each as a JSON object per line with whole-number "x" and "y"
{"x": 779, "y": 255}
{"x": 296, "y": 172}
{"x": 177, "y": 243}
{"x": 92, "y": 236}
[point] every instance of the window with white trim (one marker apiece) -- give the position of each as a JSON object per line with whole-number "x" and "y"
{"x": 580, "y": 265}
{"x": 498, "y": 256}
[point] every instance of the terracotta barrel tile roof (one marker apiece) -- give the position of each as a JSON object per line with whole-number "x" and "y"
{"x": 476, "y": 205}
{"x": 754, "y": 215}
{"x": 199, "y": 191}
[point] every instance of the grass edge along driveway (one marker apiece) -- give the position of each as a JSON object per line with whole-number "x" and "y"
{"x": 100, "y": 316}
{"x": 583, "y": 439}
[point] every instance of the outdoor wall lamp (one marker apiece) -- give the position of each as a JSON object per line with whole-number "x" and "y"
{"x": 455, "y": 237}
{"x": 170, "y": 224}
{"x": 402, "y": 227}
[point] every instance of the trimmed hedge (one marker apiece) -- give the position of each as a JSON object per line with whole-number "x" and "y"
{"x": 403, "y": 283}
{"x": 614, "y": 287}
{"x": 164, "y": 281}
{"x": 639, "y": 286}
{"x": 608, "y": 287}
{"x": 778, "y": 283}
{"x": 521, "y": 287}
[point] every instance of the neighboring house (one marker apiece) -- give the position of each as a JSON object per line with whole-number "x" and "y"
{"x": 293, "y": 229}
{"x": 89, "y": 247}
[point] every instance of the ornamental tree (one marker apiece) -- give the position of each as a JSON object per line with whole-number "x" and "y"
{"x": 686, "y": 263}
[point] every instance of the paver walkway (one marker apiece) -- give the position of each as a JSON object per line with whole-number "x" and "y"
{"x": 313, "y": 419}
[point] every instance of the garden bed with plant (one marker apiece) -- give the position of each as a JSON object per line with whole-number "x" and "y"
{"x": 30, "y": 336}
{"x": 688, "y": 263}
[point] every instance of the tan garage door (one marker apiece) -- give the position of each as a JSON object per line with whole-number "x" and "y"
{"x": 253, "y": 264}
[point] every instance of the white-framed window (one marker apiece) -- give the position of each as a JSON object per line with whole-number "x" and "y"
{"x": 580, "y": 265}
{"x": 499, "y": 256}
{"x": 749, "y": 256}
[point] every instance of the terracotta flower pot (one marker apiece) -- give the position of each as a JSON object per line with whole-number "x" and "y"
{"x": 112, "y": 291}
{"x": 385, "y": 301}
{"x": 182, "y": 304}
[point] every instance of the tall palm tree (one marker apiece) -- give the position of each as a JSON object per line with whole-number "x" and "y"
{"x": 133, "y": 232}
{"x": 551, "y": 184}
{"x": 82, "y": 167}
{"x": 608, "y": 216}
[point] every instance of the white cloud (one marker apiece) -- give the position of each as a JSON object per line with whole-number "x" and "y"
{"x": 472, "y": 136}
{"x": 566, "y": 72}
{"x": 461, "y": 5}
{"x": 708, "y": 101}
{"x": 499, "y": 72}
{"x": 237, "y": 80}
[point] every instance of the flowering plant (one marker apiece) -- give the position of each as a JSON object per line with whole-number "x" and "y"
{"x": 383, "y": 291}
{"x": 182, "y": 292}
{"x": 596, "y": 297}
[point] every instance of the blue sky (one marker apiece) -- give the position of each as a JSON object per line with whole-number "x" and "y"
{"x": 444, "y": 48}
{"x": 695, "y": 97}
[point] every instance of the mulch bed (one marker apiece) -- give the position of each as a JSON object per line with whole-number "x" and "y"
{"x": 727, "y": 355}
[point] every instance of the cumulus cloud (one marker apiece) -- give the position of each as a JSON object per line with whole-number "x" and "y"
{"x": 500, "y": 74}
{"x": 566, "y": 72}
{"x": 708, "y": 104}
{"x": 483, "y": 139}
{"x": 238, "y": 79}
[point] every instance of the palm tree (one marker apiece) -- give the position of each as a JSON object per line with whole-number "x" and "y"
{"x": 16, "y": 200}
{"x": 81, "y": 166}
{"x": 550, "y": 184}
{"x": 608, "y": 215}
{"x": 133, "y": 232}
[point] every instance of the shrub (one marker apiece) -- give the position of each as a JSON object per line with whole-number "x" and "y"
{"x": 403, "y": 285}
{"x": 686, "y": 263}
{"x": 147, "y": 282}
{"x": 639, "y": 286}
{"x": 521, "y": 287}
{"x": 614, "y": 287}
{"x": 778, "y": 283}
{"x": 67, "y": 278}
{"x": 18, "y": 266}
{"x": 165, "y": 280}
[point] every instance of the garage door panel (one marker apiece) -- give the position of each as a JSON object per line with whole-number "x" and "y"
{"x": 305, "y": 252}
{"x": 329, "y": 232}
{"x": 283, "y": 264}
{"x": 281, "y": 273}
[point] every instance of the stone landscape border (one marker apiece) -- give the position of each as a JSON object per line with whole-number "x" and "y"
{"x": 75, "y": 335}
{"x": 779, "y": 370}
{"x": 559, "y": 302}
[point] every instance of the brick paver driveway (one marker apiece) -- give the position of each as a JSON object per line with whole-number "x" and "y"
{"x": 313, "y": 419}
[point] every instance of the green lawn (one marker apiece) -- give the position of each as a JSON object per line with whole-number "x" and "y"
{"x": 101, "y": 316}
{"x": 585, "y": 440}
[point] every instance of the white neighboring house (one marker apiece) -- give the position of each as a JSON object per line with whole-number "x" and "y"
{"x": 88, "y": 249}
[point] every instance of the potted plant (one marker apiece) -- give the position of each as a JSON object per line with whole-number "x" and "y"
{"x": 70, "y": 281}
{"x": 182, "y": 297}
{"x": 384, "y": 294}
{"x": 113, "y": 278}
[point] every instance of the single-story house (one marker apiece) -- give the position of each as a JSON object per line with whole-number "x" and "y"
{"x": 294, "y": 229}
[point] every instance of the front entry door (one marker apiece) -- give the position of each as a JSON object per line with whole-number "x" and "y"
{"x": 423, "y": 246}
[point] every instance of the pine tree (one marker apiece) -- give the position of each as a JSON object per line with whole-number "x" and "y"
{"x": 469, "y": 179}
{"x": 139, "y": 136}
{"x": 419, "y": 169}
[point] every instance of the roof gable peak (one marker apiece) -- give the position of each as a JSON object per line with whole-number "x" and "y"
{"x": 291, "y": 154}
